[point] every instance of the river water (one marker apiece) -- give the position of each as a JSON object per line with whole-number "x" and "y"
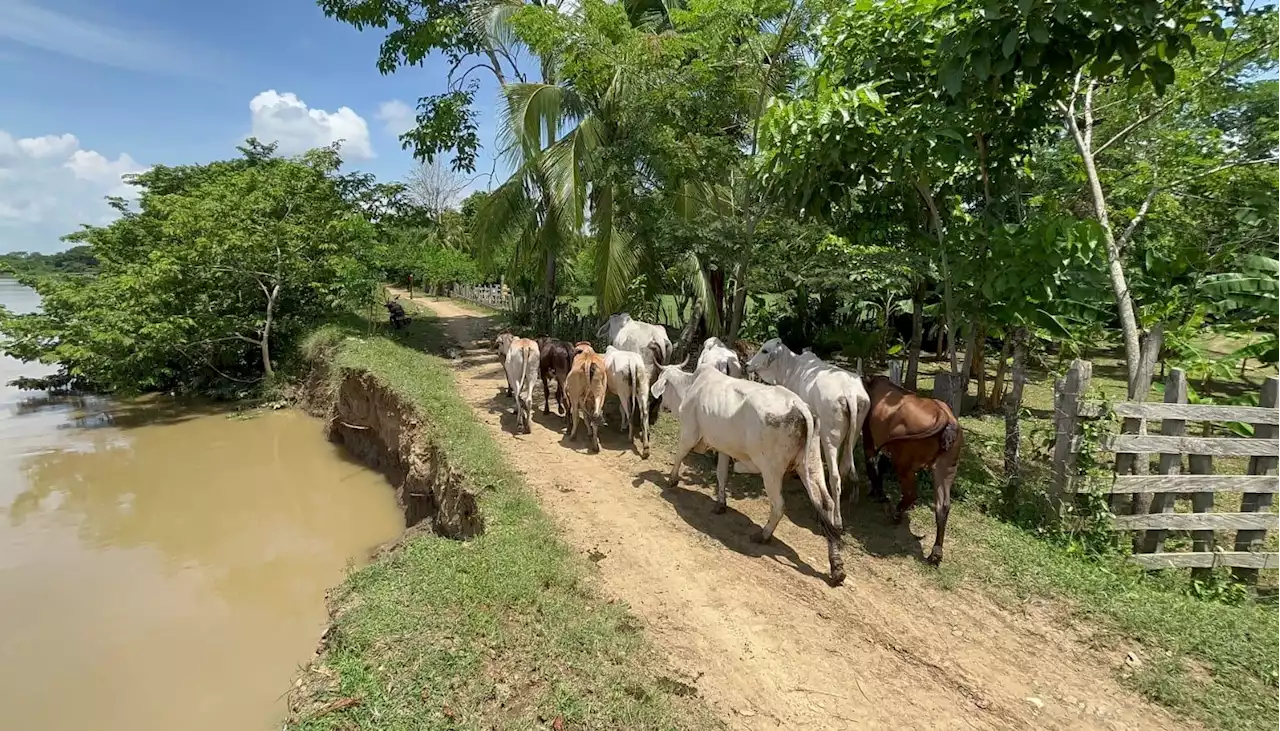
{"x": 165, "y": 567}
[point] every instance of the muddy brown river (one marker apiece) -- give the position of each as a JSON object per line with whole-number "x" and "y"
{"x": 165, "y": 567}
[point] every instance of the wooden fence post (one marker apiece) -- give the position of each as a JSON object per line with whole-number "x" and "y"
{"x": 1201, "y": 502}
{"x": 895, "y": 372}
{"x": 1175, "y": 392}
{"x": 1066, "y": 417}
{"x": 1255, "y": 502}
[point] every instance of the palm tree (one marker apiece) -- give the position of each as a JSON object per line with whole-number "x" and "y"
{"x": 559, "y": 191}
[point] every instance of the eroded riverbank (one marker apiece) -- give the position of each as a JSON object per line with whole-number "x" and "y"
{"x": 164, "y": 565}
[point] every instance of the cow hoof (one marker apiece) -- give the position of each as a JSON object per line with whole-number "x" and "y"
{"x": 935, "y": 556}
{"x": 895, "y": 518}
{"x": 837, "y": 578}
{"x": 760, "y": 537}
{"x": 718, "y": 509}
{"x": 644, "y": 454}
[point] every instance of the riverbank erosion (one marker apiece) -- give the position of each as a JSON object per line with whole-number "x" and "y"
{"x": 479, "y": 615}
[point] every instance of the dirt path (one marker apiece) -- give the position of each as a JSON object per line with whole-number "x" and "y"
{"x": 756, "y": 629}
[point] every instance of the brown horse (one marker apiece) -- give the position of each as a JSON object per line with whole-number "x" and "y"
{"x": 916, "y": 432}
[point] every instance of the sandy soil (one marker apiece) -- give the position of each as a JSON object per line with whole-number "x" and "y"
{"x": 757, "y": 631}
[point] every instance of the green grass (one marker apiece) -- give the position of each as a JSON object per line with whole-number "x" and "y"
{"x": 501, "y": 631}
{"x": 1204, "y": 659}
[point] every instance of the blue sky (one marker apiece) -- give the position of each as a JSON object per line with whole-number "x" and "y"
{"x": 95, "y": 88}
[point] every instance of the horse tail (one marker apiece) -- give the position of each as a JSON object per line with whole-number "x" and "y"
{"x": 948, "y": 435}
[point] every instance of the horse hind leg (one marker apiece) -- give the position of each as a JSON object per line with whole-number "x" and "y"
{"x": 944, "y": 475}
{"x": 907, "y": 480}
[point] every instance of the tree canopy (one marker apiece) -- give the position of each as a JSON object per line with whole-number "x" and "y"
{"x": 218, "y": 267}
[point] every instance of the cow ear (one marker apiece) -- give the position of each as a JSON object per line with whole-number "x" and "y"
{"x": 659, "y": 386}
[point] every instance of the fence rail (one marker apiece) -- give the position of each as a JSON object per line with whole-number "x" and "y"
{"x": 1150, "y": 511}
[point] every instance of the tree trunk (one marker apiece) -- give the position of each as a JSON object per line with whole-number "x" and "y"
{"x": 1115, "y": 265}
{"x": 997, "y": 387}
{"x": 717, "y": 281}
{"x": 937, "y": 347}
{"x": 1013, "y": 404}
{"x": 948, "y": 306}
{"x": 1140, "y": 463}
{"x": 267, "y": 370}
{"x": 740, "y": 271}
{"x": 684, "y": 345}
{"x": 549, "y": 276}
{"x": 980, "y": 362}
{"x": 970, "y": 336}
{"x": 882, "y": 356}
{"x": 917, "y": 338}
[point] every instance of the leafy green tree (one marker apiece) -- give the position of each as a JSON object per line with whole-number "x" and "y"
{"x": 220, "y": 265}
{"x": 1181, "y": 175}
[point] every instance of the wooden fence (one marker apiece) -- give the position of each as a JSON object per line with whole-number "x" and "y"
{"x": 1147, "y": 503}
{"x": 493, "y": 296}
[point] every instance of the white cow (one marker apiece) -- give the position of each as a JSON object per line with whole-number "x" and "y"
{"x": 645, "y": 338}
{"x": 768, "y": 425}
{"x": 628, "y": 378}
{"x": 837, "y": 398}
{"x": 503, "y": 344}
{"x": 521, "y": 364}
{"x": 719, "y": 356}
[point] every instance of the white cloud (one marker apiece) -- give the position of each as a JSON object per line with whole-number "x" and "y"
{"x": 396, "y": 116}
{"x": 49, "y": 145}
{"x": 49, "y": 185}
{"x": 92, "y": 166}
{"x": 286, "y": 119}
{"x": 82, "y": 38}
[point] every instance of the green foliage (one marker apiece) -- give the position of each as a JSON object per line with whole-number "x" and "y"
{"x": 219, "y": 264}
{"x": 446, "y": 122}
{"x": 22, "y": 264}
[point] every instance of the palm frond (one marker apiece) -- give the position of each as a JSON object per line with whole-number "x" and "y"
{"x": 506, "y": 214}
{"x": 615, "y": 257}
{"x": 492, "y": 20}
{"x": 702, "y": 290}
{"x": 566, "y": 169}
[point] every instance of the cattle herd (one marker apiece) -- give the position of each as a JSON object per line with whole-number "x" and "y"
{"x": 771, "y": 413}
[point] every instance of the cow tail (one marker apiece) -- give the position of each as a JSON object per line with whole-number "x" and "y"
{"x": 527, "y": 373}
{"x": 854, "y": 410}
{"x": 633, "y": 382}
{"x": 828, "y": 513}
{"x": 818, "y": 492}
{"x": 659, "y": 356}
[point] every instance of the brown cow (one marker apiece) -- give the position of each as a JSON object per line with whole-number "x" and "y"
{"x": 557, "y": 358}
{"x": 586, "y": 388}
{"x": 916, "y": 432}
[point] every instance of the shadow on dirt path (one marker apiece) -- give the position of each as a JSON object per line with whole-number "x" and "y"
{"x": 756, "y": 629}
